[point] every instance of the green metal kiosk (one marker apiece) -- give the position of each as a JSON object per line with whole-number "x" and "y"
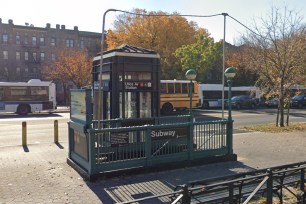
{"x": 129, "y": 83}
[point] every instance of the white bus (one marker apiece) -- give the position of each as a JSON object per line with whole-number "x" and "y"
{"x": 27, "y": 97}
{"x": 210, "y": 95}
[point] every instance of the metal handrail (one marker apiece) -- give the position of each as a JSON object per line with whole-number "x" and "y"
{"x": 267, "y": 174}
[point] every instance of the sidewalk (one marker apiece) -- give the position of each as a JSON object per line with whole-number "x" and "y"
{"x": 40, "y": 174}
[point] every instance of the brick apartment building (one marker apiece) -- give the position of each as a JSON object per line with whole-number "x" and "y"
{"x": 25, "y": 48}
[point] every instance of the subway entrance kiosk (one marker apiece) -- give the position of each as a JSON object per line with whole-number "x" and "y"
{"x": 129, "y": 84}
{"x": 115, "y": 126}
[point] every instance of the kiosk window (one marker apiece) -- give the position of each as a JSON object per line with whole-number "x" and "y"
{"x": 108, "y": 106}
{"x": 105, "y": 76}
{"x": 138, "y": 76}
{"x": 130, "y": 104}
{"x": 145, "y": 104}
{"x": 120, "y": 105}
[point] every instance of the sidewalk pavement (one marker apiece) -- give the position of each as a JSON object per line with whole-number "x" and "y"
{"x": 40, "y": 174}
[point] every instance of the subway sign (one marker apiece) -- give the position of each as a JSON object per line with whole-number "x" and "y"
{"x": 170, "y": 133}
{"x": 130, "y": 85}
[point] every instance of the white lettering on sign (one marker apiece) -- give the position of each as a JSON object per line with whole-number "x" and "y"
{"x": 131, "y": 85}
{"x": 161, "y": 133}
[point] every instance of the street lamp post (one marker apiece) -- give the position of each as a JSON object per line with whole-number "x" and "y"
{"x": 191, "y": 74}
{"x": 230, "y": 73}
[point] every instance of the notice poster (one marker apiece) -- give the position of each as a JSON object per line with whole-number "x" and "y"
{"x": 78, "y": 107}
{"x": 119, "y": 139}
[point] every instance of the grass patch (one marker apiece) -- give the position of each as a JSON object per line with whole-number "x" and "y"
{"x": 272, "y": 128}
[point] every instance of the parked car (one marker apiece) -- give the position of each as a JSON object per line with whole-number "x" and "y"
{"x": 272, "y": 103}
{"x": 298, "y": 101}
{"x": 243, "y": 101}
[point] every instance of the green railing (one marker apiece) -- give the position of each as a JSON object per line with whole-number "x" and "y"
{"x": 161, "y": 142}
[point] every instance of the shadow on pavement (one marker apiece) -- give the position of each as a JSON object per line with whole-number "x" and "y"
{"x": 125, "y": 187}
{"x": 25, "y": 148}
{"x": 34, "y": 115}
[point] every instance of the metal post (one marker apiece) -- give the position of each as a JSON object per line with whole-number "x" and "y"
{"x": 24, "y": 133}
{"x": 270, "y": 187}
{"x": 229, "y": 119}
{"x": 186, "y": 197}
{"x": 190, "y": 98}
{"x": 55, "y": 131}
{"x": 223, "y": 66}
{"x": 100, "y": 71}
{"x": 302, "y": 186}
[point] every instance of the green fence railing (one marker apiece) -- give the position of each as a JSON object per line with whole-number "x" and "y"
{"x": 111, "y": 149}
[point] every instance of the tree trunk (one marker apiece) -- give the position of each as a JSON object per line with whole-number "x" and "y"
{"x": 281, "y": 106}
{"x": 277, "y": 116}
{"x": 288, "y": 111}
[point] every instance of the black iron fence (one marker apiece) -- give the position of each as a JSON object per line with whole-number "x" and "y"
{"x": 264, "y": 184}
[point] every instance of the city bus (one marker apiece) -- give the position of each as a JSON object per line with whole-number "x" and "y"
{"x": 175, "y": 95}
{"x": 210, "y": 95}
{"x": 27, "y": 97}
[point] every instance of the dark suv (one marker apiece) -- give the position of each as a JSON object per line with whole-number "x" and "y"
{"x": 298, "y": 101}
{"x": 244, "y": 101}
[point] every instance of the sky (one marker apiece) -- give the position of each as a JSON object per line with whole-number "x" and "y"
{"x": 88, "y": 15}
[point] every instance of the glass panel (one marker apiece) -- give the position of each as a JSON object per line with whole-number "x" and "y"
{"x": 108, "y": 102}
{"x": 184, "y": 88}
{"x": 145, "y": 104}
{"x": 105, "y": 76}
{"x": 34, "y": 41}
{"x": 130, "y": 105}
{"x": 52, "y": 41}
{"x": 163, "y": 88}
{"x": 177, "y": 87}
{"x": 120, "y": 105}
{"x": 138, "y": 76}
{"x": 5, "y": 54}
{"x": 26, "y": 56}
{"x": 18, "y": 91}
{"x": 170, "y": 88}
{"x": 17, "y": 55}
{"x": 17, "y": 39}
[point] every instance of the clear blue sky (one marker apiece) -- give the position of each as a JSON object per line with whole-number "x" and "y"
{"x": 87, "y": 15}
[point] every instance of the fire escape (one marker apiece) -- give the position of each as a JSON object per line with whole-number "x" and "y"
{"x": 33, "y": 62}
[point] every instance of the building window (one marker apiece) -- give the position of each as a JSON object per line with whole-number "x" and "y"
{"x": 5, "y": 71}
{"x": 34, "y": 70}
{"x": 25, "y": 40}
{"x": 34, "y": 42}
{"x": 53, "y": 57}
{"x": 82, "y": 44}
{"x": 17, "y": 39}
{"x": 17, "y": 55}
{"x": 53, "y": 41}
{"x": 42, "y": 56}
{"x": 5, "y": 54}
{"x": 42, "y": 41}
{"x": 18, "y": 70}
{"x": 26, "y": 70}
{"x": 69, "y": 43}
{"x": 5, "y": 38}
{"x": 34, "y": 56}
{"x": 26, "y": 56}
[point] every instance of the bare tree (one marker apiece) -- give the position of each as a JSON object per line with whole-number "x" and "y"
{"x": 276, "y": 50}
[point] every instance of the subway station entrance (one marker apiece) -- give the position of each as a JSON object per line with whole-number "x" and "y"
{"x": 129, "y": 83}
{"x": 116, "y": 125}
